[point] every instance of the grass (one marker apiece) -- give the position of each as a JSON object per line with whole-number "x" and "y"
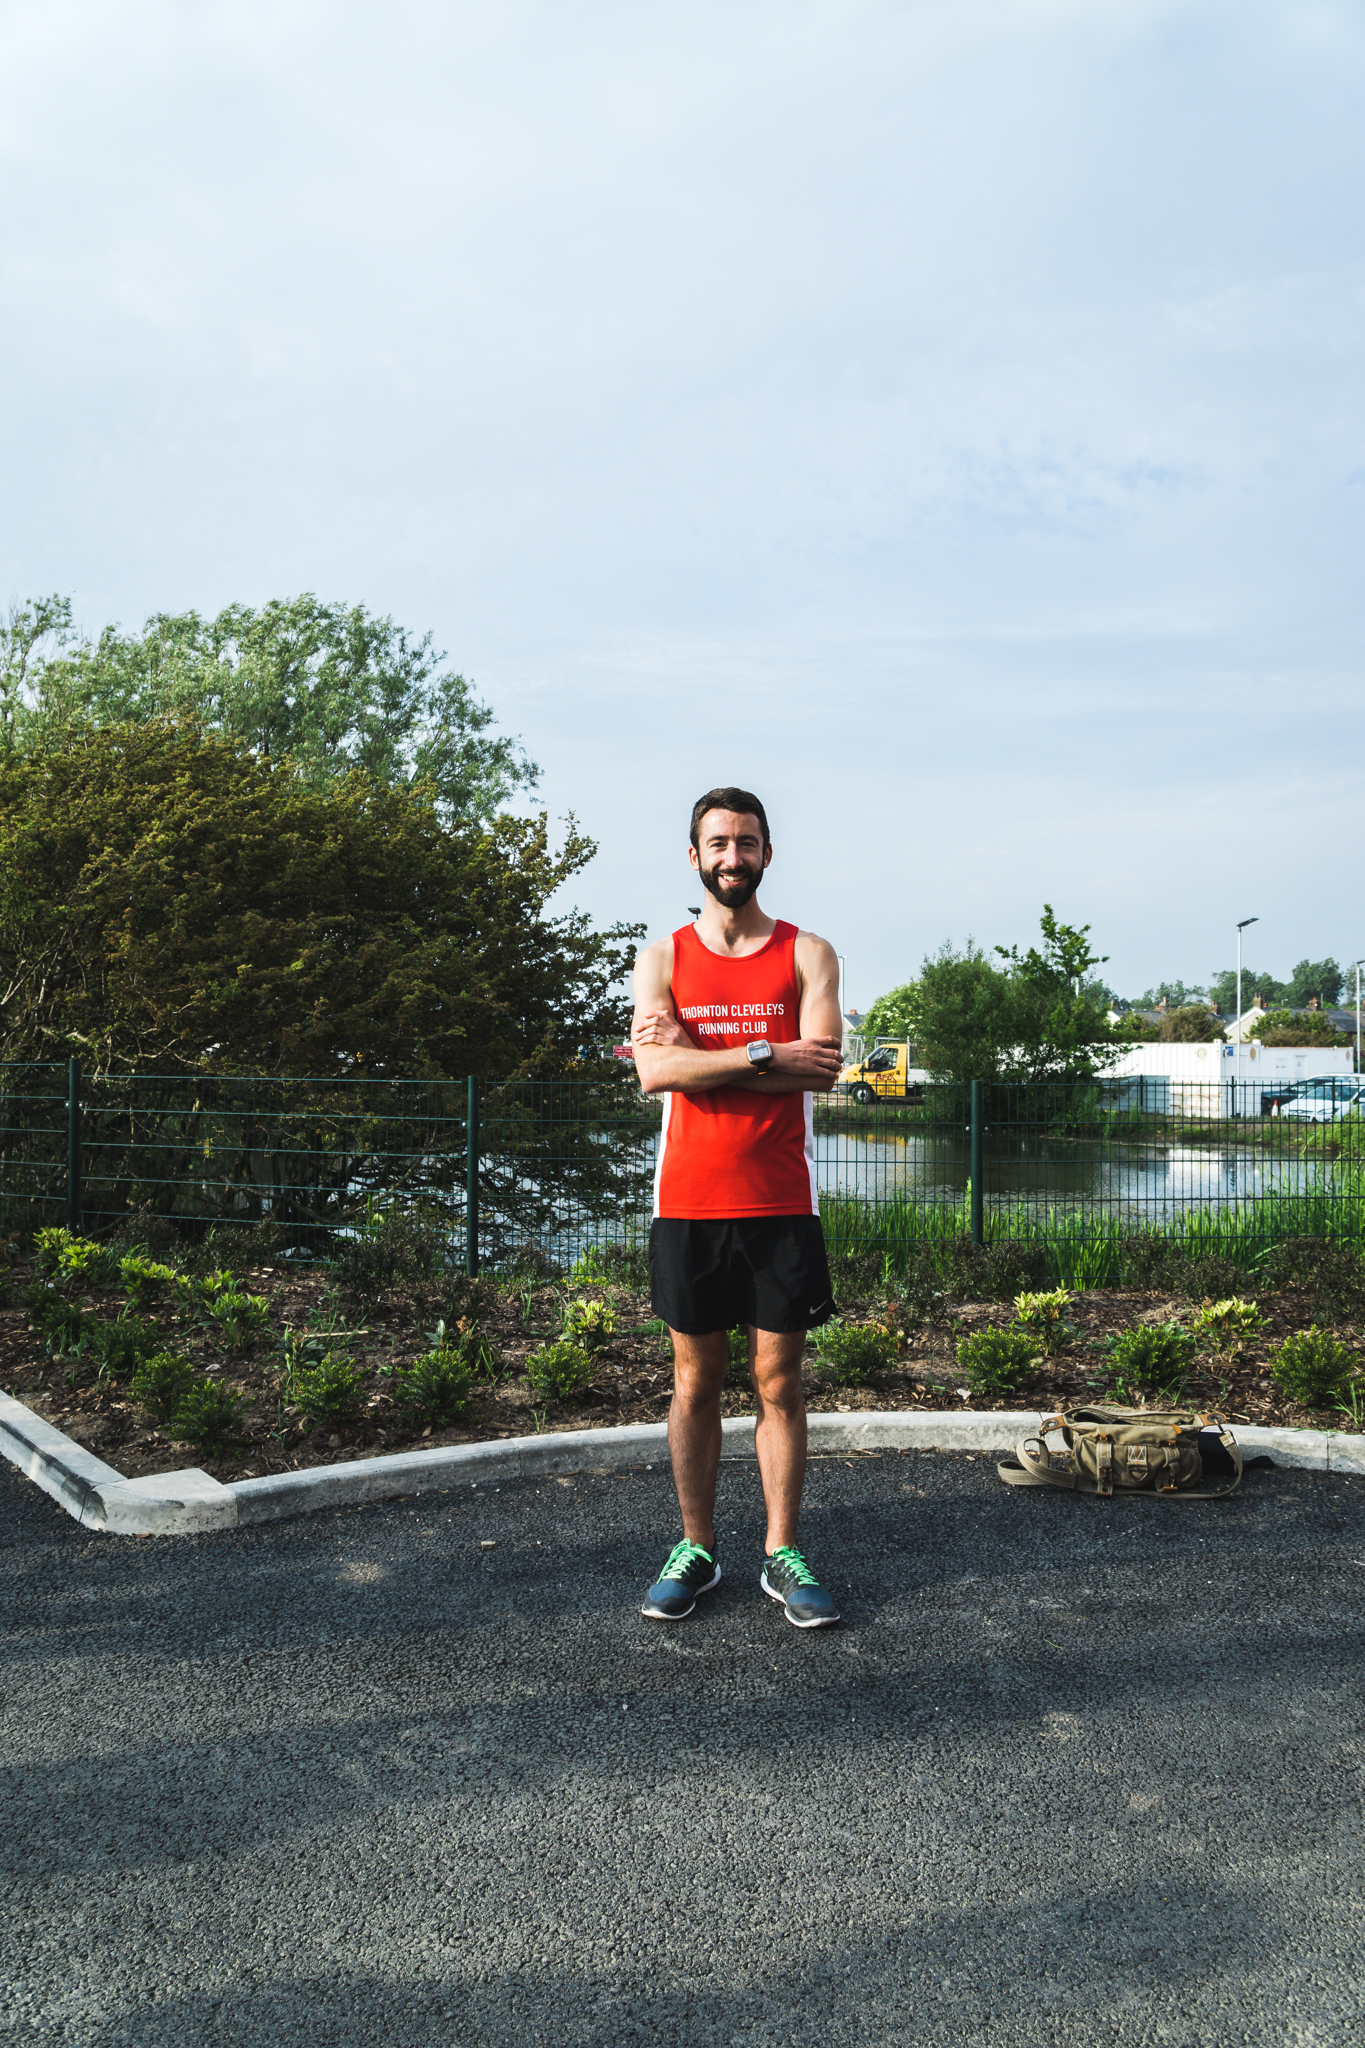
{"x": 1084, "y": 1251}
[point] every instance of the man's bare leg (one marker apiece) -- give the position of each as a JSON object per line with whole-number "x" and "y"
{"x": 780, "y": 1435}
{"x": 694, "y": 1431}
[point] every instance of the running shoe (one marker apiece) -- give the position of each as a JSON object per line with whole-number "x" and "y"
{"x": 787, "y": 1577}
{"x": 690, "y": 1570}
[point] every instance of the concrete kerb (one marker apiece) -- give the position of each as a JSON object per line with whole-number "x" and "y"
{"x": 191, "y": 1502}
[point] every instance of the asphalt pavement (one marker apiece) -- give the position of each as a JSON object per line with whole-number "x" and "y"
{"x": 1069, "y": 1772}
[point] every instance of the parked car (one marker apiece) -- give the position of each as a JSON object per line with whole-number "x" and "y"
{"x": 1323, "y": 1101}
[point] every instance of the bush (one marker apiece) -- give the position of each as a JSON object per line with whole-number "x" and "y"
{"x": 240, "y": 1317}
{"x": 144, "y": 1279}
{"x": 209, "y": 1415}
{"x": 436, "y": 1388}
{"x": 1312, "y": 1366}
{"x": 48, "y": 1246}
{"x": 58, "y": 1322}
{"x": 161, "y": 1383}
{"x": 1044, "y": 1317}
{"x": 80, "y": 1259}
{"x": 992, "y": 1272}
{"x": 465, "y": 1343}
{"x": 122, "y": 1345}
{"x": 1333, "y": 1273}
{"x": 1225, "y": 1325}
{"x": 1150, "y": 1358}
{"x": 329, "y": 1391}
{"x": 997, "y": 1361}
{"x": 209, "y": 1286}
{"x": 394, "y": 1249}
{"x": 737, "y": 1356}
{"x": 849, "y": 1353}
{"x": 590, "y": 1323}
{"x": 559, "y": 1370}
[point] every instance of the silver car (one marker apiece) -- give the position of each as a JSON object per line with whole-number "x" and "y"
{"x": 1325, "y": 1101}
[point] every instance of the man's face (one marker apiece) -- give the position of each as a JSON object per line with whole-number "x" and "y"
{"x": 730, "y": 857}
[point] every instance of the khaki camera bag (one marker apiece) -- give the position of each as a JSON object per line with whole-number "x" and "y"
{"x": 1166, "y": 1454}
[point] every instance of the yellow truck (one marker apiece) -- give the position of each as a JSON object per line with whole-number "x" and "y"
{"x": 884, "y": 1075}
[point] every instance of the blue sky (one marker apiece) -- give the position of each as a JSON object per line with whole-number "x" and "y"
{"x": 946, "y": 419}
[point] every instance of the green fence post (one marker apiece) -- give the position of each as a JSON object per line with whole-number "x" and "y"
{"x": 73, "y": 1146}
{"x": 471, "y": 1178}
{"x": 978, "y": 1231}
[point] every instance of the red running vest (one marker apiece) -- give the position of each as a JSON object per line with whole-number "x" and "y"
{"x": 732, "y": 1151}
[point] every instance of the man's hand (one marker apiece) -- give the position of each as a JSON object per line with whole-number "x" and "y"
{"x": 817, "y": 1060}
{"x": 658, "y": 1027}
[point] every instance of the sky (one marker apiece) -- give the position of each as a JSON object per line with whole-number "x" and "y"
{"x": 945, "y": 419}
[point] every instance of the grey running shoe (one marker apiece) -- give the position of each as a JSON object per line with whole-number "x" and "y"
{"x": 787, "y": 1577}
{"x": 690, "y": 1570}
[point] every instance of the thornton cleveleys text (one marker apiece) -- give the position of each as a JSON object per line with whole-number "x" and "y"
{"x": 735, "y": 1017}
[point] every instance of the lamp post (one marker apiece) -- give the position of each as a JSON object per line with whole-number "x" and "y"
{"x": 1237, "y": 1055}
{"x": 1359, "y": 964}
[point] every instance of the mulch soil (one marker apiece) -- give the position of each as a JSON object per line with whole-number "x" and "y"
{"x": 633, "y": 1375}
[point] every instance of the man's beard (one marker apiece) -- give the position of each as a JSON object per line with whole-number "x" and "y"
{"x": 731, "y": 895}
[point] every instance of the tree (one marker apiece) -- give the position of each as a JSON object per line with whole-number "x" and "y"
{"x": 1223, "y": 990}
{"x": 1305, "y": 1027}
{"x": 1320, "y": 978}
{"x": 1033, "y": 1019}
{"x": 170, "y": 899}
{"x": 1192, "y": 1024}
{"x": 326, "y": 684}
{"x": 891, "y": 1016}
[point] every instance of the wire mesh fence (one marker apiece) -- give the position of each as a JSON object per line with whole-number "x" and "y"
{"x": 501, "y": 1171}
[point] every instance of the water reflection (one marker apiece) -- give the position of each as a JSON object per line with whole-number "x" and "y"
{"x": 933, "y": 1167}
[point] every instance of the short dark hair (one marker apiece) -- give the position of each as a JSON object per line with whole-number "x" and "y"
{"x": 741, "y": 800}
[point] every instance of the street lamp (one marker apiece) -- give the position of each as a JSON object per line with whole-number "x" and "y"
{"x": 1359, "y": 964}
{"x": 1237, "y": 1056}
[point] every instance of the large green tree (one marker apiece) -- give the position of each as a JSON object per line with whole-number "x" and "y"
{"x": 329, "y": 685}
{"x": 170, "y": 898}
{"x": 1038, "y": 1015}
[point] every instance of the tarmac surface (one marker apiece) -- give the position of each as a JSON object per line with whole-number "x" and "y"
{"x": 1068, "y": 1772}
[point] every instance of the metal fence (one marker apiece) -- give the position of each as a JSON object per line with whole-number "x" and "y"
{"x": 499, "y": 1169}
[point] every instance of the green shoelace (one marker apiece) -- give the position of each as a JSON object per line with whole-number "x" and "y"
{"x": 793, "y": 1562}
{"x": 681, "y": 1556}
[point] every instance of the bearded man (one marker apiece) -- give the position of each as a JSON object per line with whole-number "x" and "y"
{"x": 737, "y": 1026}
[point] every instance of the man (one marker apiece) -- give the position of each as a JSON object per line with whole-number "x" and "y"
{"x": 737, "y": 1026}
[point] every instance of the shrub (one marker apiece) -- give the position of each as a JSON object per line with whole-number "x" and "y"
{"x": 122, "y": 1345}
{"x": 1151, "y": 1357}
{"x": 1225, "y": 1325}
{"x": 464, "y": 1342}
{"x": 48, "y": 1246}
{"x": 161, "y": 1383}
{"x": 559, "y": 1370}
{"x": 737, "y": 1356}
{"x": 1333, "y": 1273}
{"x": 997, "y": 1361}
{"x": 240, "y": 1317}
{"x": 627, "y": 1265}
{"x": 590, "y": 1323}
{"x": 328, "y": 1391}
{"x": 1044, "y": 1317}
{"x": 436, "y": 1388}
{"x": 849, "y": 1353}
{"x": 209, "y": 1286}
{"x": 1312, "y": 1366}
{"x": 68, "y": 1258}
{"x": 209, "y": 1415}
{"x": 144, "y": 1279}
{"x": 58, "y": 1322}
{"x": 394, "y": 1249}
{"x": 992, "y": 1272}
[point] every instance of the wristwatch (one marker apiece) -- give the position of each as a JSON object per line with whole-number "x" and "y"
{"x": 760, "y": 1055}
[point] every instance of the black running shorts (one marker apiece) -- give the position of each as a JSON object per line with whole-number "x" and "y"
{"x": 770, "y": 1271}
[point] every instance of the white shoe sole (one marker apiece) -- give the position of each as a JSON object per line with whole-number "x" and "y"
{"x": 653, "y": 1614}
{"x": 816, "y": 1621}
